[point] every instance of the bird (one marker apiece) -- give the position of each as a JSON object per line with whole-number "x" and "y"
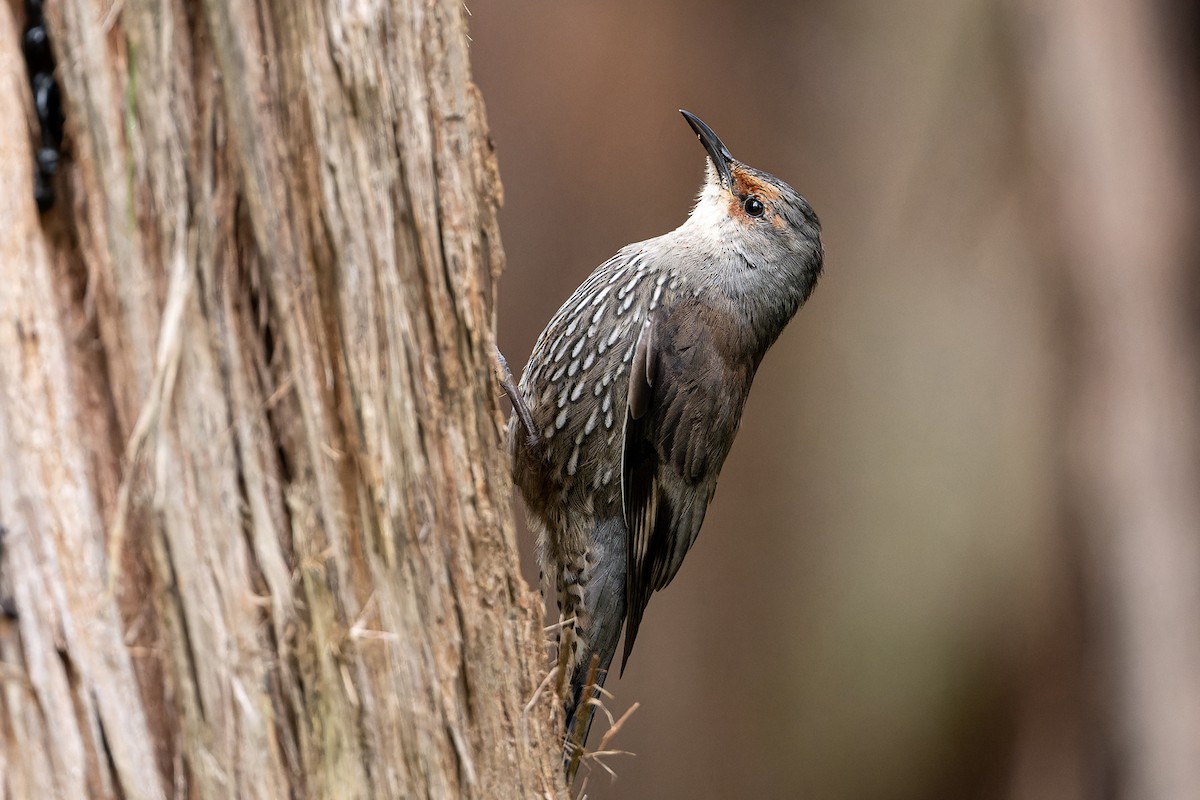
{"x": 631, "y": 399}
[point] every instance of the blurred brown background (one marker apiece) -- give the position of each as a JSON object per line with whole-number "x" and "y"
{"x": 952, "y": 553}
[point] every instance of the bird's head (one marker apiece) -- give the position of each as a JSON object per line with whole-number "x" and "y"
{"x": 756, "y": 216}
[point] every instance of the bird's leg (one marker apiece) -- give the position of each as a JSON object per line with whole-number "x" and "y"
{"x": 518, "y": 403}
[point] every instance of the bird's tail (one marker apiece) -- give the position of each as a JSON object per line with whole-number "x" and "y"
{"x": 580, "y": 711}
{"x": 588, "y": 645}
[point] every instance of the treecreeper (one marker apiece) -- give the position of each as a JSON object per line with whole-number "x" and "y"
{"x": 631, "y": 400}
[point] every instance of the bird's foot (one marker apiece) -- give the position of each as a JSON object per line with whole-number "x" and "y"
{"x": 504, "y": 375}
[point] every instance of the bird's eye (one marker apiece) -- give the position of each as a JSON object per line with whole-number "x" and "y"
{"x": 754, "y": 207}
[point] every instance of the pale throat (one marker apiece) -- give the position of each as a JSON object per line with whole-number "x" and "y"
{"x": 710, "y": 216}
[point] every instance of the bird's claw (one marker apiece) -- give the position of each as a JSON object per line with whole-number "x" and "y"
{"x": 504, "y": 374}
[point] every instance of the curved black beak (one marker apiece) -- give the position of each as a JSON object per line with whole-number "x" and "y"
{"x": 717, "y": 151}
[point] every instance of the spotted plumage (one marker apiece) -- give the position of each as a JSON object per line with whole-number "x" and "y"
{"x": 633, "y": 395}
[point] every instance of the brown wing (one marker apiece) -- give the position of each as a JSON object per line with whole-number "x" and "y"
{"x": 685, "y": 399}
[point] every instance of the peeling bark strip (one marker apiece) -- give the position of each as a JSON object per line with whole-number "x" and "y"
{"x": 259, "y": 535}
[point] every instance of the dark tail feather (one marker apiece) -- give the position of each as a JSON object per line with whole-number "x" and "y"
{"x": 580, "y": 713}
{"x": 604, "y": 598}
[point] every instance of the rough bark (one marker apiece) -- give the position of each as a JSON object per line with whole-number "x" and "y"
{"x": 259, "y": 539}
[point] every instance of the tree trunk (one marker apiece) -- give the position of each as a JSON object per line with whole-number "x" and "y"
{"x": 259, "y": 539}
{"x": 1110, "y": 113}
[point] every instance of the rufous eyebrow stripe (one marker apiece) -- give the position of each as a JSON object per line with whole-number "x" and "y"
{"x": 746, "y": 184}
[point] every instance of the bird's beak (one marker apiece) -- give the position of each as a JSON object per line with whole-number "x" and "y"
{"x": 717, "y": 151}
